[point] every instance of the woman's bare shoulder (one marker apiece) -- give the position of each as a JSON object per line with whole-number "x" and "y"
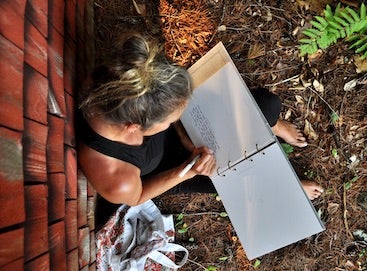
{"x": 116, "y": 180}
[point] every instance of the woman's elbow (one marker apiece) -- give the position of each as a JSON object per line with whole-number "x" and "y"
{"x": 128, "y": 194}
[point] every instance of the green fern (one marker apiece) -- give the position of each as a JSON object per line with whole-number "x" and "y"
{"x": 343, "y": 23}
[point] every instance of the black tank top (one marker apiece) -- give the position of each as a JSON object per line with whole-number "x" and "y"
{"x": 146, "y": 156}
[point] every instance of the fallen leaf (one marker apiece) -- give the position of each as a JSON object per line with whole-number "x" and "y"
{"x": 140, "y": 8}
{"x": 309, "y": 131}
{"x": 288, "y": 114}
{"x": 361, "y": 64}
{"x": 256, "y": 51}
{"x": 306, "y": 83}
{"x": 350, "y": 85}
{"x": 299, "y": 99}
{"x": 318, "y": 86}
{"x": 222, "y": 28}
{"x": 332, "y": 207}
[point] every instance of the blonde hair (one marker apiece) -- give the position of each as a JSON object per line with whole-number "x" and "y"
{"x": 140, "y": 86}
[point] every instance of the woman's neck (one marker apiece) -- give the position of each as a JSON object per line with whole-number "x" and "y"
{"x": 121, "y": 133}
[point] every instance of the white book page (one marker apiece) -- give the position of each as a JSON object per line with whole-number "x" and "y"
{"x": 266, "y": 203}
{"x": 223, "y": 116}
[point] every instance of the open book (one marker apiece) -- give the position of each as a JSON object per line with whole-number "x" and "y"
{"x": 259, "y": 189}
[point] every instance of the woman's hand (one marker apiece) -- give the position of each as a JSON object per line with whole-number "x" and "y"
{"x": 206, "y": 164}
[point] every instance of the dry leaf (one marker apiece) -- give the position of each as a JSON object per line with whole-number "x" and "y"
{"x": 295, "y": 31}
{"x": 350, "y": 85}
{"x": 305, "y": 83}
{"x": 332, "y": 207}
{"x": 318, "y": 86}
{"x": 309, "y": 131}
{"x": 222, "y": 28}
{"x": 288, "y": 114}
{"x": 140, "y": 8}
{"x": 268, "y": 16}
{"x": 299, "y": 99}
{"x": 303, "y": 4}
{"x": 361, "y": 64}
{"x": 255, "y": 51}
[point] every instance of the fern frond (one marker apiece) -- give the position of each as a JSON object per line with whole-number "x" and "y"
{"x": 328, "y": 13}
{"x": 307, "y": 41}
{"x": 317, "y": 25}
{"x": 335, "y": 25}
{"x": 342, "y": 23}
{"x": 346, "y": 16}
{"x": 312, "y": 33}
{"x": 359, "y": 43}
{"x": 363, "y": 12}
{"x": 353, "y": 13}
{"x": 362, "y": 48}
{"x": 322, "y": 21}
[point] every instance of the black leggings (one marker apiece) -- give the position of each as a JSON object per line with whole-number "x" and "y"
{"x": 269, "y": 104}
{"x": 175, "y": 154}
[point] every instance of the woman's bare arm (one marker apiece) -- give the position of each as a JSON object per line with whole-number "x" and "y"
{"x": 119, "y": 182}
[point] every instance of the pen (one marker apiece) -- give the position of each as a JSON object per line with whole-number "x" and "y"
{"x": 189, "y": 166}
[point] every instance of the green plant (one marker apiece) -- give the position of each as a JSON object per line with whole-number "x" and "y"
{"x": 288, "y": 149}
{"x": 342, "y": 23}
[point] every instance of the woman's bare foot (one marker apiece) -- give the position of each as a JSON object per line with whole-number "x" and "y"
{"x": 312, "y": 189}
{"x": 289, "y": 133}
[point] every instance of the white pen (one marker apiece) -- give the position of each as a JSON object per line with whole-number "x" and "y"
{"x": 189, "y": 166}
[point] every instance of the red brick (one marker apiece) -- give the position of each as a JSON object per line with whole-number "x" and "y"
{"x": 89, "y": 37}
{"x": 11, "y": 246}
{"x": 69, "y": 66}
{"x": 11, "y": 85}
{"x": 56, "y": 196}
{"x": 70, "y": 16}
{"x": 36, "y": 12}
{"x": 34, "y": 140}
{"x": 12, "y": 21}
{"x": 56, "y": 9}
{"x": 84, "y": 247}
{"x": 69, "y": 120}
{"x": 35, "y": 228}
{"x": 35, "y": 95}
{"x": 71, "y": 173}
{"x": 82, "y": 202}
{"x": 11, "y": 178}
{"x": 81, "y": 68}
{"x": 72, "y": 258}
{"x": 57, "y": 247}
{"x": 71, "y": 225}
{"x": 16, "y": 265}
{"x": 92, "y": 246}
{"x": 41, "y": 263}
{"x": 35, "y": 49}
{"x": 91, "y": 207}
{"x": 92, "y": 267}
{"x": 55, "y": 144}
{"x": 56, "y": 67}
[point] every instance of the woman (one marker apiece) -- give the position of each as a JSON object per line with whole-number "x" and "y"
{"x": 128, "y": 127}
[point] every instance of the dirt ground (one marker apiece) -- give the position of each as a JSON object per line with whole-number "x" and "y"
{"x": 325, "y": 95}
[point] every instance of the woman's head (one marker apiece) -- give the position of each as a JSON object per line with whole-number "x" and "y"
{"x": 140, "y": 86}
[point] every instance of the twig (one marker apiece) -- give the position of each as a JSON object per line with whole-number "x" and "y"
{"x": 198, "y": 264}
{"x": 345, "y": 212}
{"x": 272, "y": 71}
{"x": 314, "y": 91}
{"x": 283, "y": 81}
{"x": 202, "y": 213}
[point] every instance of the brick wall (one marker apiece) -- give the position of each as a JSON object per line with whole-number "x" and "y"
{"x": 46, "y": 214}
